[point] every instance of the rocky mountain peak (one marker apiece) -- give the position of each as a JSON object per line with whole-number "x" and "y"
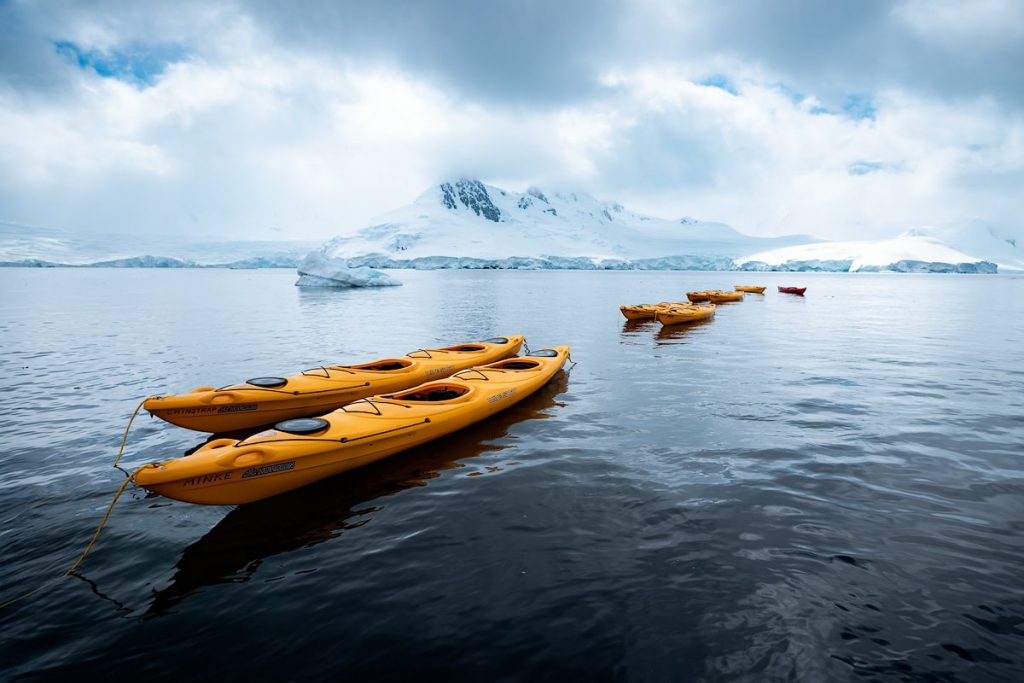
{"x": 471, "y": 194}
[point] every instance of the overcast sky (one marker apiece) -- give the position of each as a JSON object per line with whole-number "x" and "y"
{"x": 305, "y": 119}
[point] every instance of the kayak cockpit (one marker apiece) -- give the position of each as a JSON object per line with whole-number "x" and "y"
{"x": 386, "y": 365}
{"x": 514, "y": 364}
{"x": 431, "y": 393}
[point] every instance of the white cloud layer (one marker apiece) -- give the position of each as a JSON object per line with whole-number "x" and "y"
{"x": 259, "y": 132}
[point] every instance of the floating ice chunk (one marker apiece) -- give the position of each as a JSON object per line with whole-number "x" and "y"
{"x": 320, "y": 270}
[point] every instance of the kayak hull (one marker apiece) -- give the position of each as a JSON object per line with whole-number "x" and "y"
{"x": 724, "y": 297}
{"x": 641, "y": 312}
{"x": 648, "y": 311}
{"x": 686, "y": 314}
{"x": 750, "y": 289}
{"x": 233, "y": 472}
{"x": 320, "y": 390}
{"x": 697, "y": 297}
{"x": 799, "y": 291}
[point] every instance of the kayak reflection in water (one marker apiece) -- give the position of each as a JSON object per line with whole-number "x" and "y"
{"x": 232, "y": 551}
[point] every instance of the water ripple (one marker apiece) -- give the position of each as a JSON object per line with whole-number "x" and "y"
{"x": 800, "y": 489}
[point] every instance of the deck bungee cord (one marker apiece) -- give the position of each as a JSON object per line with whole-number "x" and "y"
{"x": 297, "y": 392}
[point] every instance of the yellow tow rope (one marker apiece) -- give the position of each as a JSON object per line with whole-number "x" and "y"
{"x": 106, "y": 516}
{"x": 103, "y": 522}
{"x": 124, "y": 439}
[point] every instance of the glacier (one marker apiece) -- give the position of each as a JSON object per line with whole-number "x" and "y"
{"x": 914, "y": 251}
{"x": 37, "y": 247}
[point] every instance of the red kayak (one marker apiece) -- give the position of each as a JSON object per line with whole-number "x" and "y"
{"x": 793, "y": 290}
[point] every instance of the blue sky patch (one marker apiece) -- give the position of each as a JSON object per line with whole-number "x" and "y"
{"x": 721, "y": 82}
{"x": 137, "y": 64}
{"x": 860, "y": 107}
{"x": 866, "y": 167}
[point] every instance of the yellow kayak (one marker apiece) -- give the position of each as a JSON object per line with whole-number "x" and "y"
{"x": 720, "y": 297}
{"x": 697, "y": 297}
{"x": 264, "y": 400}
{"x": 298, "y": 452}
{"x": 639, "y": 312}
{"x": 647, "y": 311}
{"x": 750, "y": 289}
{"x": 685, "y": 314}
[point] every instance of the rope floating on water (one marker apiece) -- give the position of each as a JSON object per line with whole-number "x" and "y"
{"x": 106, "y": 516}
{"x": 88, "y": 548}
{"x": 4, "y": 605}
{"x": 129, "y": 478}
{"x": 124, "y": 439}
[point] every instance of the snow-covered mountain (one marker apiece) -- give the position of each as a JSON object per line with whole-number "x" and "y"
{"x": 465, "y": 223}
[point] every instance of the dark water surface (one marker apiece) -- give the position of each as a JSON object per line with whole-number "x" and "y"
{"x": 827, "y": 488}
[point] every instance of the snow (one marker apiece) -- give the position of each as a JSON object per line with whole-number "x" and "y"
{"x": 980, "y": 239}
{"x": 465, "y": 223}
{"x": 466, "y": 219}
{"x": 910, "y": 252}
{"x": 320, "y": 270}
{"x": 26, "y": 245}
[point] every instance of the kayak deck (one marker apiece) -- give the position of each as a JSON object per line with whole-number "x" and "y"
{"x": 265, "y": 400}
{"x": 291, "y": 455}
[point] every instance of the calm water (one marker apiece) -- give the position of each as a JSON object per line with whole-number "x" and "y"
{"x": 827, "y": 488}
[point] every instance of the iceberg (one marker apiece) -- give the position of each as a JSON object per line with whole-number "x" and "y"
{"x": 320, "y": 270}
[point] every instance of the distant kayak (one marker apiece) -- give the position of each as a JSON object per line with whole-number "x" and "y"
{"x": 684, "y": 314}
{"x": 697, "y": 297}
{"x": 639, "y": 311}
{"x": 793, "y": 290}
{"x": 265, "y": 400}
{"x": 750, "y": 289}
{"x": 295, "y": 453}
{"x": 720, "y": 297}
{"x": 647, "y": 311}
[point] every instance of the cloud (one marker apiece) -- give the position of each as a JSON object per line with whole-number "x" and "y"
{"x": 944, "y": 49}
{"x": 514, "y": 52}
{"x": 264, "y": 139}
{"x": 237, "y": 119}
{"x": 771, "y": 163}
